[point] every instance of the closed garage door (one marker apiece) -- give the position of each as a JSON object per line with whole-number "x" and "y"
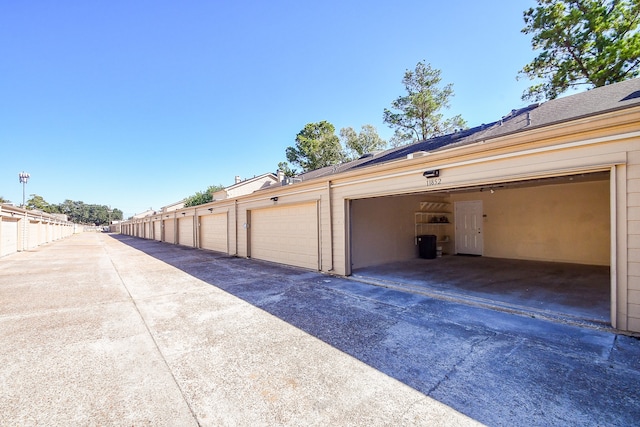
{"x": 169, "y": 231}
{"x": 9, "y": 242}
{"x": 185, "y": 231}
{"x": 34, "y": 234}
{"x": 213, "y": 232}
{"x": 287, "y": 235}
{"x": 157, "y": 232}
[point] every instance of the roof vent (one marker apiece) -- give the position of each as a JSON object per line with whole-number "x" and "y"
{"x": 288, "y": 180}
{"x": 417, "y": 154}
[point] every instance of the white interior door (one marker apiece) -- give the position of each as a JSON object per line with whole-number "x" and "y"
{"x": 468, "y": 221}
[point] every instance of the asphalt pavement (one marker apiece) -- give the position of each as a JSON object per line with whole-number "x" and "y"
{"x": 104, "y": 329}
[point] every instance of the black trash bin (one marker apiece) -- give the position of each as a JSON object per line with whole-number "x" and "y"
{"x": 427, "y": 246}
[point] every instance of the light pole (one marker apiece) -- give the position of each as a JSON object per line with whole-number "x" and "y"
{"x": 24, "y": 178}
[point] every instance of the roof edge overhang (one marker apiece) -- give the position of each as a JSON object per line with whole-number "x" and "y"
{"x": 621, "y": 120}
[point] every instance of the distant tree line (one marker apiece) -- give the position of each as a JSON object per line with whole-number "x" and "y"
{"x": 78, "y": 212}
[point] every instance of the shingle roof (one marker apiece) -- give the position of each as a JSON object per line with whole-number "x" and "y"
{"x": 595, "y": 101}
{"x": 248, "y": 180}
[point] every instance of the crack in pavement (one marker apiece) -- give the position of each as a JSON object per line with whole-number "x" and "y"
{"x": 454, "y": 368}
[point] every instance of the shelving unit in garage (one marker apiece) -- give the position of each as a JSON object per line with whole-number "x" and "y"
{"x": 435, "y": 218}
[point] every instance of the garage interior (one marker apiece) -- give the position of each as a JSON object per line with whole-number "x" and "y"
{"x": 539, "y": 246}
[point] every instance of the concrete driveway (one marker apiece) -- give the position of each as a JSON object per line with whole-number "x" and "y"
{"x": 572, "y": 293}
{"x": 114, "y": 330}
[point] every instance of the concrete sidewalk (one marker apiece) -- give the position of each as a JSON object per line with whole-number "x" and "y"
{"x": 107, "y": 330}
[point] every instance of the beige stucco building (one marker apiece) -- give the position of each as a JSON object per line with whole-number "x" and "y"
{"x": 23, "y": 229}
{"x": 559, "y": 181}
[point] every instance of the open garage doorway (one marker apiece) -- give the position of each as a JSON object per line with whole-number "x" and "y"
{"x": 545, "y": 244}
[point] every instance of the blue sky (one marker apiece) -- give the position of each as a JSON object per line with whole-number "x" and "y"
{"x": 138, "y": 104}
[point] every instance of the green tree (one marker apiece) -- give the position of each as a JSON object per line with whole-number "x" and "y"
{"x": 202, "y": 197}
{"x": 3, "y": 200}
{"x": 82, "y": 213}
{"x": 317, "y": 146}
{"x": 68, "y": 207}
{"x": 357, "y": 144}
{"x": 98, "y": 215}
{"x": 116, "y": 215}
{"x": 76, "y": 211}
{"x": 418, "y": 114}
{"x": 286, "y": 169}
{"x": 587, "y": 43}
{"x": 38, "y": 202}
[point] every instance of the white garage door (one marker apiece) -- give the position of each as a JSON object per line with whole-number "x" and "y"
{"x": 169, "y": 231}
{"x": 185, "y": 231}
{"x": 213, "y": 232}
{"x": 287, "y": 235}
{"x": 9, "y": 242}
{"x": 34, "y": 235}
{"x": 157, "y": 230}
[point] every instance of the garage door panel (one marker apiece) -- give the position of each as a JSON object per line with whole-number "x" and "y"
{"x": 287, "y": 235}
{"x": 169, "y": 230}
{"x": 185, "y": 231}
{"x": 157, "y": 230}
{"x": 9, "y": 243}
{"x": 33, "y": 235}
{"x": 213, "y": 232}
